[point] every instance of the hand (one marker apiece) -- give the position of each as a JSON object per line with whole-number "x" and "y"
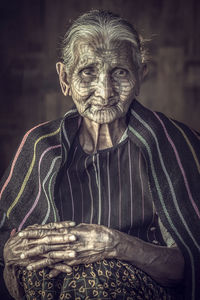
{"x": 89, "y": 243}
{"x": 93, "y": 243}
{"x": 13, "y": 249}
{"x": 28, "y": 241}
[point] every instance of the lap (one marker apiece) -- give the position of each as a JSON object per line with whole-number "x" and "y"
{"x": 106, "y": 279}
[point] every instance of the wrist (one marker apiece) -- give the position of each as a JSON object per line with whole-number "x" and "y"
{"x": 129, "y": 249}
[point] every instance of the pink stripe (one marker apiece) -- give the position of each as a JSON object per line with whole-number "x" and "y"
{"x": 16, "y": 157}
{"x": 39, "y": 192}
{"x": 180, "y": 166}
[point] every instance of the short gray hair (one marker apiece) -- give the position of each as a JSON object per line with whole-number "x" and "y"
{"x": 102, "y": 23}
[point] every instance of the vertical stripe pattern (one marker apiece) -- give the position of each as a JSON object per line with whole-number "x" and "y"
{"x": 113, "y": 181}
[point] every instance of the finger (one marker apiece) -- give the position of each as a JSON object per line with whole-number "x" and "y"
{"x": 38, "y": 233}
{"x": 61, "y": 267}
{"x": 57, "y": 225}
{"x": 51, "y": 259}
{"x": 39, "y": 250}
{"x": 61, "y": 255}
{"x": 53, "y": 273}
{"x": 54, "y": 239}
{"x": 22, "y": 262}
{"x": 43, "y": 249}
{"x": 42, "y": 263}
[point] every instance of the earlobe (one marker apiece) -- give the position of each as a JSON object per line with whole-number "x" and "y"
{"x": 60, "y": 68}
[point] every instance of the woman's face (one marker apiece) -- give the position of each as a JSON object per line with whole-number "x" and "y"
{"x": 104, "y": 81}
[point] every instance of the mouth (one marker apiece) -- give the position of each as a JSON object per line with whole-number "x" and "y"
{"x": 102, "y": 105}
{"x": 108, "y": 105}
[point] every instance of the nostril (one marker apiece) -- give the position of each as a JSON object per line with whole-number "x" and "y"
{"x": 105, "y": 92}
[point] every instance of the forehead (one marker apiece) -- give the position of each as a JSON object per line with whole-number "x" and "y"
{"x": 99, "y": 52}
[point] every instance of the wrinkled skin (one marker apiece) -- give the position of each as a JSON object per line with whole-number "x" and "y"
{"x": 38, "y": 246}
{"x": 49, "y": 246}
{"x": 21, "y": 243}
{"x": 102, "y": 83}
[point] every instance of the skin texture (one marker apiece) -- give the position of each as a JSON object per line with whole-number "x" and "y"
{"x": 40, "y": 246}
{"x": 102, "y": 83}
{"x": 111, "y": 67}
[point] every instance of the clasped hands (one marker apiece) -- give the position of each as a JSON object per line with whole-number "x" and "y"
{"x": 60, "y": 246}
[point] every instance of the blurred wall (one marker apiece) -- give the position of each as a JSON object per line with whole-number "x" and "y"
{"x": 30, "y": 32}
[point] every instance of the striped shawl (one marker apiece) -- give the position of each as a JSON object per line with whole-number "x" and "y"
{"x": 172, "y": 154}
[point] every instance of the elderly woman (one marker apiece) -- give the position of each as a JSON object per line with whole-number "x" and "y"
{"x": 98, "y": 204}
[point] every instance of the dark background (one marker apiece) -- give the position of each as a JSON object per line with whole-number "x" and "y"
{"x": 30, "y": 33}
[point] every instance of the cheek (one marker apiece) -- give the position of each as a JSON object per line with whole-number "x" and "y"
{"x": 81, "y": 90}
{"x": 79, "y": 94}
{"x": 126, "y": 88}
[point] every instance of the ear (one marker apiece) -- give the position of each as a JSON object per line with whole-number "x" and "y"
{"x": 65, "y": 87}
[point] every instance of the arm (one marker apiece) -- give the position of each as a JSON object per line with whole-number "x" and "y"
{"x": 165, "y": 265}
{"x": 96, "y": 242}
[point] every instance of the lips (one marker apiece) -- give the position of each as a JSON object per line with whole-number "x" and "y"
{"x": 100, "y": 105}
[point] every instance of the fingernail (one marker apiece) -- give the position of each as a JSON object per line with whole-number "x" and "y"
{"x": 22, "y": 256}
{"x": 72, "y": 238}
{"x": 50, "y": 275}
{"x": 71, "y": 254}
{"x": 29, "y": 268}
{"x": 21, "y": 234}
{"x": 72, "y": 223}
{"x": 68, "y": 270}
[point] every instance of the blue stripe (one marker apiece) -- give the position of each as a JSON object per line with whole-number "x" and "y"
{"x": 163, "y": 204}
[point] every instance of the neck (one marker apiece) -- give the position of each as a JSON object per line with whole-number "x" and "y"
{"x": 94, "y": 136}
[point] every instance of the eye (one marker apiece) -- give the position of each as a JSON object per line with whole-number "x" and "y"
{"x": 120, "y": 73}
{"x": 88, "y": 72}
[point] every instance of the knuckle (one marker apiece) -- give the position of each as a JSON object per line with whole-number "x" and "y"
{"x": 48, "y": 260}
{"x": 51, "y": 225}
{"x": 42, "y": 248}
{"x": 50, "y": 255}
{"x": 40, "y": 232}
{"x": 45, "y": 240}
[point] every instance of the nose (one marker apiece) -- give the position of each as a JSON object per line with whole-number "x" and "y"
{"x": 104, "y": 88}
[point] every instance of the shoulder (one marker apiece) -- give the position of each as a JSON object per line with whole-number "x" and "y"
{"x": 157, "y": 124}
{"x": 47, "y": 129}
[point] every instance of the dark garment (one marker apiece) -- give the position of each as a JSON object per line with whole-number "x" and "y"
{"x": 106, "y": 279}
{"x": 109, "y": 188}
{"x": 172, "y": 154}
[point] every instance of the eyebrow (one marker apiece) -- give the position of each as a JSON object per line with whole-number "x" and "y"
{"x": 85, "y": 65}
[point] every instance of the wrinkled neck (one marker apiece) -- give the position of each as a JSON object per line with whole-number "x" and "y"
{"x": 94, "y": 136}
